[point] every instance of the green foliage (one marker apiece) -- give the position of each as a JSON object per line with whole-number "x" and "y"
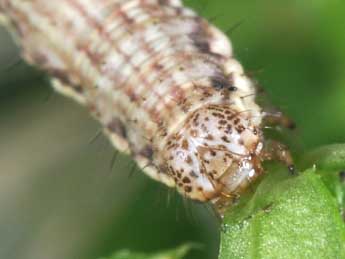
{"x": 177, "y": 253}
{"x": 329, "y": 157}
{"x": 329, "y": 162}
{"x": 291, "y": 216}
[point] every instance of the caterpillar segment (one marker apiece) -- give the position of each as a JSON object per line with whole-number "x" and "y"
{"x": 163, "y": 83}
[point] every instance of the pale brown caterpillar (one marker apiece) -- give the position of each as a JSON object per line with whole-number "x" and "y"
{"x": 161, "y": 80}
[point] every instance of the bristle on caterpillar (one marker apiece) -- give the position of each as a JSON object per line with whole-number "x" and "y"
{"x": 163, "y": 83}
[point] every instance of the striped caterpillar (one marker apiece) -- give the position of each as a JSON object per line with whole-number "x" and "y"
{"x": 163, "y": 83}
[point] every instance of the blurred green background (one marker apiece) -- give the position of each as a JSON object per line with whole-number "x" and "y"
{"x": 59, "y": 197}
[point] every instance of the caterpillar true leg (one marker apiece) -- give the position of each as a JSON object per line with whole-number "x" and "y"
{"x": 274, "y": 150}
{"x": 278, "y": 118}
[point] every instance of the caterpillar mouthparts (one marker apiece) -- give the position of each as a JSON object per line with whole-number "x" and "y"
{"x": 163, "y": 83}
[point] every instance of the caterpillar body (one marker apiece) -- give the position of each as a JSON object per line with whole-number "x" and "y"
{"x": 161, "y": 80}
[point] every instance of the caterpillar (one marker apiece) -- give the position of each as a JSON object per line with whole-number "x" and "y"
{"x": 161, "y": 80}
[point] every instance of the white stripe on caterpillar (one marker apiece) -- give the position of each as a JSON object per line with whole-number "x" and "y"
{"x": 160, "y": 79}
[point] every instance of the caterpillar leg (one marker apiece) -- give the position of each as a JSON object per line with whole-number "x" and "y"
{"x": 277, "y": 118}
{"x": 274, "y": 150}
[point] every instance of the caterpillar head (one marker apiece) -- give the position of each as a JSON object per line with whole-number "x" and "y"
{"x": 215, "y": 153}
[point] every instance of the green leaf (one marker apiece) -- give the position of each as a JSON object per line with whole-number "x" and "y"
{"x": 331, "y": 157}
{"x": 329, "y": 162}
{"x": 287, "y": 217}
{"x": 177, "y": 253}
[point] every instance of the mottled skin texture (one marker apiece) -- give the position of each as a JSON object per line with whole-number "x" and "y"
{"x": 161, "y": 80}
{"x": 208, "y": 154}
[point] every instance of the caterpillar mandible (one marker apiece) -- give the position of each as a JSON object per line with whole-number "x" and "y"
{"x": 163, "y": 83}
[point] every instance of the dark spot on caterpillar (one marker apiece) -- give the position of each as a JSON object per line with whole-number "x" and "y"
{"x": 125, "y": 17}
{"x": 163, "y": 2}
{"x": 240, "y": 128}
{"x": 231, "y": 116}
{"x": 213, "y": 107}
{"x": 171, "y": 169}
{"x": 209, "y": 137}
{"x": 195, "y": 120}
{"x": 211, "y": 174}
{"x": 188, "y": 188}
{"x": 204, "y": 128}
{"x": 178, "y": 137}
{"x": 224, "y": 138}
{"x": 157, "y": 66}
{"x": 213, "y": 153}
{"x": 236, "y": 121}
{"x": 194, "y": 133}
{"x": 228, "y": 129}
{"x": 193, "y": 174}
{"x": 199, "y": 38}
{"x": 117, "y": 127}
{"x": 220, "y": 82}
{"x": 164, "y": 132}
{"x": 222, "y": 122}
{"x": 186, "y": 180}
{"x": 77, "y": 88}
{"x": 229, "y": 155}
{"x": 203, "y": 46}
{"x": 219, "y": 115}
{"x": 185, "y": 145}
{"x": 147, "y": 152}
{"x": 189, "y": 160}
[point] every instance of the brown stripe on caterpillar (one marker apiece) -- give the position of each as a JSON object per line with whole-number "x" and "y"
{"x": 80, "y": 8}
{"x": 163, "y": 83}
